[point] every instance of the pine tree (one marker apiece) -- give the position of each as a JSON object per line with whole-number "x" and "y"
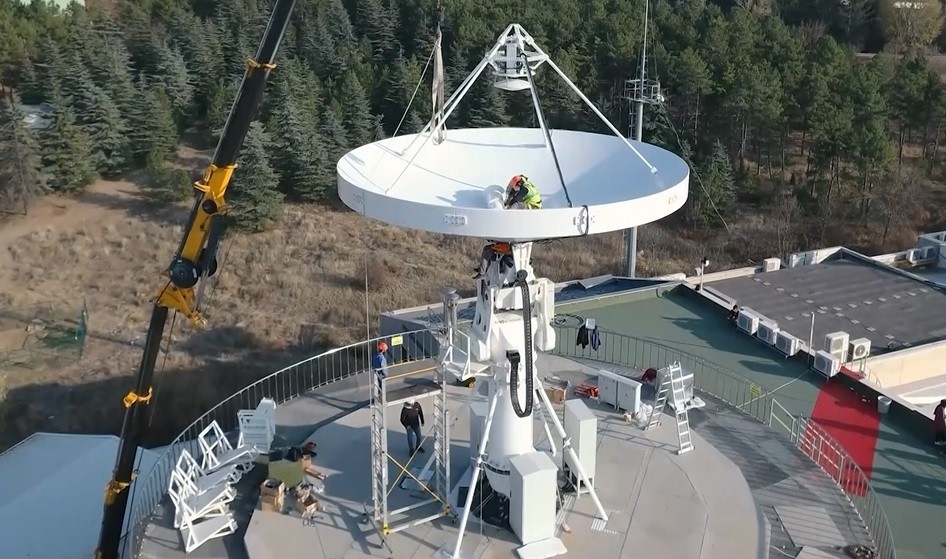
{"x": 171, "y": 73}
{"x": 254, "y": 194}
{"x": 153, "y": 133}
{"x": 67, "y": 157}
{"x": 356, "y": 115}
{"x": 112, "y": 72}
{"x": 336, "y": 141}
{"x": 100, "y": 118}
{"x": 298, "y": 153}
{"x": 199, "y": 44}
{"x": 219, "y": 104}
{"x": 486, "y": 106}
{"x": 31, "y": 87}
{"x": 718, "y": 189}
{"x": 21, "y": 177}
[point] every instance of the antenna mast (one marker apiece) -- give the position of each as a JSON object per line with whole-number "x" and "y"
{"x": 639, "y": 92}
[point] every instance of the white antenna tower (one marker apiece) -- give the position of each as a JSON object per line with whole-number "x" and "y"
{"x": 639, "y": 92}
{"x": 456, "y": 184}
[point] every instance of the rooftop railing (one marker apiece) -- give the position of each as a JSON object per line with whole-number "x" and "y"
{"x": 615, "y": 349}
{"x": 283, "y": 385}
{"x": 749, "y": 398}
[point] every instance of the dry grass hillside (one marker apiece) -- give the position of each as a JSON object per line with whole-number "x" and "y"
{"x": 108, "y": 247}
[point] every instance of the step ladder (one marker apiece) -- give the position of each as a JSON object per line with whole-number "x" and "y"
{"x": 379, "y": 449}
{"x": 672, "y": 386}
{"x": 442, "y": 445}
{"x": 663, "y": 391}
{"x": 678, "y": 390}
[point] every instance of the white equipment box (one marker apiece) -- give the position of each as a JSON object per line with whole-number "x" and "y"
{"x": 581, "y": 426}
{"x": 532, "y": 480}
{"x": 621, "y": 392}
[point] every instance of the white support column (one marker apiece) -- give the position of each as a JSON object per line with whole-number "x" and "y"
{"x": 567, "y": 448}
{"x": 474, "y": 477}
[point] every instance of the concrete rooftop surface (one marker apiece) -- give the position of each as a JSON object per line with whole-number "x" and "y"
{"x": 724, "y": 500}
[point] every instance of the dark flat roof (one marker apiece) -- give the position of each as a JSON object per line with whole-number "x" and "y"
{"x": 864, "y": 299}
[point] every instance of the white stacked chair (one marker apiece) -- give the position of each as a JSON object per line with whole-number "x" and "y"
{"x": 258, "y": 427}
{"x": 219, "y": 453}
{"x": 201, "y": 479}
{"x": 191, "y": 506}
{"x": 197, "y": 533}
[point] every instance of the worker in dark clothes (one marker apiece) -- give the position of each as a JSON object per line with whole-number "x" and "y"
{"x": 733, "y": 313}
{"x": 491, "y": 252}
{"x": 412, "y": 418}
{"x": 939, "y": 424}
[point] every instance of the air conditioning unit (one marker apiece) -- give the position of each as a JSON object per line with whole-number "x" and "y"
{"x": 926, "y": 252}
{"x": 860, "y": 349}
{"x": 835, "y": 341}
{"x": 796, "y": 260}
{"x": 747, "y": 321}
{"x": 827, "y": 364}
{"x": 767, "y": 332}
{"x": 787, "y": 344}
{"x": 771, "y": 265}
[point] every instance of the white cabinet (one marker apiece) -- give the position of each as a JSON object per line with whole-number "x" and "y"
{"x": 620, "y": 391}
{"x": 532, "y": 496}
{"x": 581, "y": 426}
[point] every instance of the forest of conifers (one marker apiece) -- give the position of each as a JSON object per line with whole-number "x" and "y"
{"x": 769, "y": 101}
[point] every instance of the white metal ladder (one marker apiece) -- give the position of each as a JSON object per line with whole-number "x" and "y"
{"x": 672, "y": 386}
{"x": 663, "y": 391}
{"x": 379, "y": 450}
{"x": 442, "y": 444}
{"x": 678, "y": 390}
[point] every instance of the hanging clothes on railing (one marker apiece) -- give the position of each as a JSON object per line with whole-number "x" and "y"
{"x": 595, "y": 339}
{"x": 582, "y": 337}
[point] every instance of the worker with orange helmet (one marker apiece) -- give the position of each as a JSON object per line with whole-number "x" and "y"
{"x": 379, "y": 363}
{"x": 522, "y": 194}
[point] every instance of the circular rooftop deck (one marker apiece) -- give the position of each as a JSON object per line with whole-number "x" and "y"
{"x": 720, "y": 500}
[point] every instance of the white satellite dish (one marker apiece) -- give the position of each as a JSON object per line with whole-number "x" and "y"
{"x": 590, "y": 183}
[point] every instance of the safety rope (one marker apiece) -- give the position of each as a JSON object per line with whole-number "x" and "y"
{"x": 413, "y": 95}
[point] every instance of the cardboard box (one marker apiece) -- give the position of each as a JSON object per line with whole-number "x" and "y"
{"x": 306, "y": 504}
{"x": 556, "y": 395}
{"x": 272, "y": 503}
{"x": 272, "y": 487}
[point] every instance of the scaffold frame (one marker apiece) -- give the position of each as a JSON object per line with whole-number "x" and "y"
{"x": 381, "y": 487}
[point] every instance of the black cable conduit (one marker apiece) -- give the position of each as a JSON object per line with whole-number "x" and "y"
{"x": 514, "y": 373}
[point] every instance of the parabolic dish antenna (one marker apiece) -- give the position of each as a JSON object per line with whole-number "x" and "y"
{"x": 454, "y": 182}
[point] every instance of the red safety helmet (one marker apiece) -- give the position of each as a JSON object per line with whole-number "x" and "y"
{"x": 517, "y": 180}
{"x": 382, "y": 346}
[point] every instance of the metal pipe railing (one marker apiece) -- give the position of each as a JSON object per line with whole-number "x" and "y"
{"x": 283, "y": 385}
{"x": 749, "y": 398}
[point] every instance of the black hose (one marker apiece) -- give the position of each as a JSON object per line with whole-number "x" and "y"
{"x": 514, "y": 373}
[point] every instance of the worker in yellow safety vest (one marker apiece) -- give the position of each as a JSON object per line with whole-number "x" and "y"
{"x": 522, "y": 194}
